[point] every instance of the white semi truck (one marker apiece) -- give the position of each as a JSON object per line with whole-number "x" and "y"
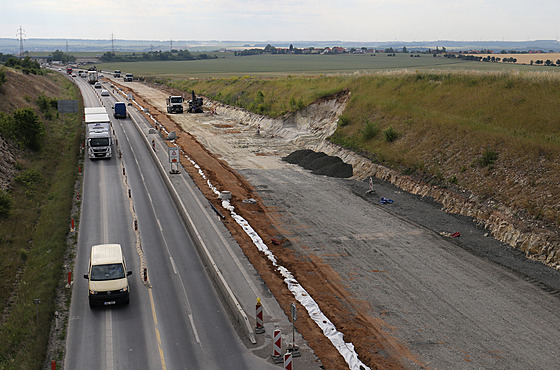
{"x": 99, "y": 138}
{"x": 95, "y": 110}
{"x": 92, "y": 77}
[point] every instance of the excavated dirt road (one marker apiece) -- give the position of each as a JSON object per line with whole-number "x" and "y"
{"x": 402, "y": 293}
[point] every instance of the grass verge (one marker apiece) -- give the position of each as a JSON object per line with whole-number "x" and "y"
{"x": 34, "y": 239}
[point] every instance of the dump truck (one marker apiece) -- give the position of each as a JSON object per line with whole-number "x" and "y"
{"x": 174, "y": 104}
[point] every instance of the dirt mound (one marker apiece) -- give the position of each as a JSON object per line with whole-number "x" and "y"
{"x": 320, "y": 163}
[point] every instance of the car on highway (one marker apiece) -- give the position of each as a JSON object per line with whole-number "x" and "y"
{"x": 73, "y": 75}
{"x": 107, "y": 275}
{"x": 97, "y": 85}
{"x": 104, "y": 92}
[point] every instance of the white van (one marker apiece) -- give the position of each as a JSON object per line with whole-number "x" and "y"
{"x": 107, "y": 275}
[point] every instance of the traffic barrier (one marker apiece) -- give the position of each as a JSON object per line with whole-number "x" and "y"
{"x": 259, "y": 328}
{"x": 53, "y": 365}
{"x": 78, "y": 195}
{"x": 123, "y": 172}
{"x": 135, "y": 225}
{"x": 69, "y": 279}
{"x": 277, "y": 347}
{"x": 79, "y": 169}
{"x": 288, "y": 361}
{"x": 72, "y": 225}
{"x": 226, "y": 292}
{"x": 129, "y": 193}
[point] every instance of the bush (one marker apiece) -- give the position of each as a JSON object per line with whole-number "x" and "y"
{"x": 23, "y": 127}
{"x": 29, "y": 177}
{"x": 390, "y": 135}
{"x": 370, "y": 130}
{"x": 343, "y": 120}
{"x": 6, "y": 204}
{"x": 46, "y": 105}
{"x": 296, "y": 104}
{"x": 488, "y": 158}
{"x": 2, "y": 76}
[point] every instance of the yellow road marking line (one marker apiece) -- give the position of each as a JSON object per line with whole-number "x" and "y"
{"x": 161, "y": 356}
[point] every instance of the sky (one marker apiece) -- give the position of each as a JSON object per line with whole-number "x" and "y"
{"x": 283, "y": 20}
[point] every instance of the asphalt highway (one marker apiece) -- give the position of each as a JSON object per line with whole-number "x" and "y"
{"x": 176, "y": 319}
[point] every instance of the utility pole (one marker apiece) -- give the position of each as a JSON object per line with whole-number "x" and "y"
{"x": 171, "y": 44}
{"x": 67, "y": 46}
{"x": 20, "y": 35}
{"x": 113, "y": 43}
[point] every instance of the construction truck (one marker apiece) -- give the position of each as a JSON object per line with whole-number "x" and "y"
{"x": 174, "y": 104}
{"x": 195, "y": 104}
{"x": 128, "y": 77}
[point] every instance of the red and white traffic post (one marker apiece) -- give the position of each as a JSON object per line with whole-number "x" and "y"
{"x": 288, "y": 364}
{"x": 277, "y": 347}
{"x": 259, "y": 328}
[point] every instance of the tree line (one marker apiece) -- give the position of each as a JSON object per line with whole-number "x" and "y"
{"x": 154, "y": 56}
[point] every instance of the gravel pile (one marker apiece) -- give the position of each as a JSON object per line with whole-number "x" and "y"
{"x": 320, "y": 163}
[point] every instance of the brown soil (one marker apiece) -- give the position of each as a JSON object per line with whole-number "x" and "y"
{"x": 376, "y": 348}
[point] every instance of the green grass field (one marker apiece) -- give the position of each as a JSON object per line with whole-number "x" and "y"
{"x": 282, "y": 65}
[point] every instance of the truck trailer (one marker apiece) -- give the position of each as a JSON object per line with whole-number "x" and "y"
{"x": 95, "y": 110}
{"x": 92, "y": 77}
{"x": 99, "y": 139}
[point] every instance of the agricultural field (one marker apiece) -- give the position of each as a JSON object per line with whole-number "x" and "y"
{"x": 283, "y": 65}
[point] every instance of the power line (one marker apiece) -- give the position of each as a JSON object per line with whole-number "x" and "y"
{"x": 20, "y": 35}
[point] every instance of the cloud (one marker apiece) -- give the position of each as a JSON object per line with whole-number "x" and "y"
{"x": 283, "y": 19}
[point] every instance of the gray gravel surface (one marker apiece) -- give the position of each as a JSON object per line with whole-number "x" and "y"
{"x": 466, "y": 302}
